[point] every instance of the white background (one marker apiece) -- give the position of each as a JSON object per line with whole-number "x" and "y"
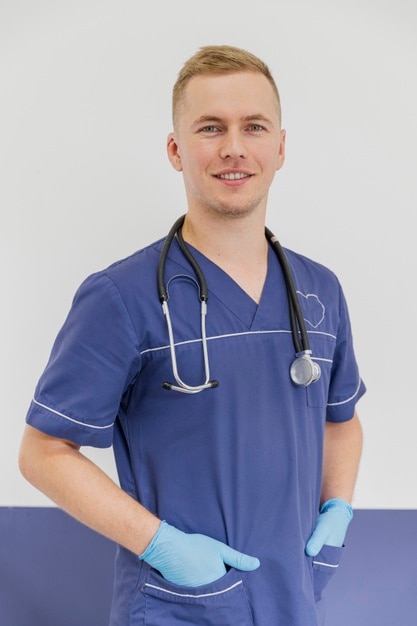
{"x": 85, "y": 90}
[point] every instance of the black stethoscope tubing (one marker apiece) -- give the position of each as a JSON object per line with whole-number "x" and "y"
{"x": 298, "y": 327}
{"x": 176, "y": 230}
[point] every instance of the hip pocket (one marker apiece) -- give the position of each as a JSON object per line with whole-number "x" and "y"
{"x": 325, "y": 564}
{"x": 221, "y": 602}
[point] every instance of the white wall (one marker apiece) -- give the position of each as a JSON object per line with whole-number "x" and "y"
{"x": 85, "y": 108}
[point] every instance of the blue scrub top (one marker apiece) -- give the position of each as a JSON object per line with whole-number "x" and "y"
{"x": 241, "y": 462}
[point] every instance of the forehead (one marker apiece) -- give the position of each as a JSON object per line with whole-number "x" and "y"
{"x": 241, "y": 94}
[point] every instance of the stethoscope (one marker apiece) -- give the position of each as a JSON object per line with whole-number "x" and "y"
{"x": 303, "y": 370}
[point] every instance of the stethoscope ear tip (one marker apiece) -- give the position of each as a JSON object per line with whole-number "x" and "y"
{"x": 188, "y": 389}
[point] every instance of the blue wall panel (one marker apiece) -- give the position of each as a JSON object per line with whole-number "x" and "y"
{"x": 56, "y": 572}
{"x": 53, "y": 570}
{"x": 376, "y": 584}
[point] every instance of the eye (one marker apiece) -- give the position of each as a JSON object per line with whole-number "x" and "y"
{"x": 255, "y": 127}
{"x": 209, "y": 129}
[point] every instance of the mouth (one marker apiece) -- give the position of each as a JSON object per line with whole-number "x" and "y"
{"x": 232, "y": 176}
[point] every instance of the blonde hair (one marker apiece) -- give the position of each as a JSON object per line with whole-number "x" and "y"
{"x": 218, "y": 60}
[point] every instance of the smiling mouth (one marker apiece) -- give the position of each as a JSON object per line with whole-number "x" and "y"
{"x": 233, "y": 176}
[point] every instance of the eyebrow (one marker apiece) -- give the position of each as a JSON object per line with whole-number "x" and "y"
{"x": 259, "y": 117}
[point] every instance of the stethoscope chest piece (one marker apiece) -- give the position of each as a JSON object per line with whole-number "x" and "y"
{"x": 304, "y": 370}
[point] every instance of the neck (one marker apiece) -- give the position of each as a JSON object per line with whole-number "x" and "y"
{"x": 226, "y": 239}
{"x": 238, "y": 246}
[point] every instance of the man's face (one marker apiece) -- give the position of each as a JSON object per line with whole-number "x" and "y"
{"x": 228, "y": 143}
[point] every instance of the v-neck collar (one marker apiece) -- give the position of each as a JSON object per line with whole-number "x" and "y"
{"x": 225, "y": 289}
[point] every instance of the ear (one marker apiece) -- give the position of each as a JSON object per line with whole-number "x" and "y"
{"x": 281, "y": 152}
{"x": 174, "y": 152}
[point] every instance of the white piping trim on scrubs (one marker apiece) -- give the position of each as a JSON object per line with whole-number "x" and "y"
{"x": 253, "y": 332}
{"x": 70, "y": 419}
{"x": 325, "y": 564}
{"x": 319, "y": 332}
{"x": 349, "y": 399}
{"x": 262, "y": 332}
{"x": 192, "y": 595}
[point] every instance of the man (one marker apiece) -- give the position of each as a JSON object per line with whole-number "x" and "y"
{"x": 217, "y": 518}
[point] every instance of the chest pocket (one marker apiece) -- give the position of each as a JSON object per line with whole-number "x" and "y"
{"x": 322, "y": 348}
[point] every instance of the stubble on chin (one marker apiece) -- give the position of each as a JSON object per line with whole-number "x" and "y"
{"x": 232, "y": 210}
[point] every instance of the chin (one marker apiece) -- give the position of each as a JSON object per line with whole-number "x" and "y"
{"x": 235, "y": 211}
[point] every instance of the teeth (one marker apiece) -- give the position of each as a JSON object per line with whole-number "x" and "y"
{"x": 233, "y": 176}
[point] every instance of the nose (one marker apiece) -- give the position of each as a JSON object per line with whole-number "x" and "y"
{"x": 233, "y": 145}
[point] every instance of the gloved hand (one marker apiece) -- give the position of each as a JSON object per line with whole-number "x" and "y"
{"x": 192, "y": 559}
{"x": 331, "y": 526}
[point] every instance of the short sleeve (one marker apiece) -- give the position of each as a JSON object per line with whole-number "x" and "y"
{"x": 346, "y": 385}
{"x": 94, "y": 359}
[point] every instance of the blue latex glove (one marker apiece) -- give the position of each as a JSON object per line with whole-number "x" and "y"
{"x": 191, "y": 559}
{"x": 331, "y": 526}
